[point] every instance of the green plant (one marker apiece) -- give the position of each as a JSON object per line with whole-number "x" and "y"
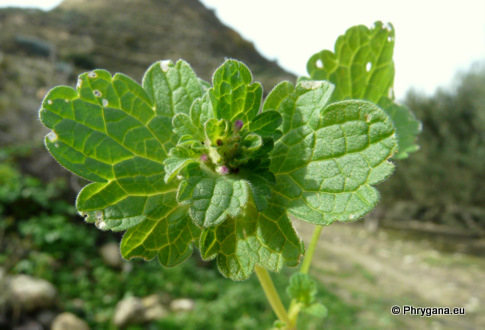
{"x": 178, "y": 162}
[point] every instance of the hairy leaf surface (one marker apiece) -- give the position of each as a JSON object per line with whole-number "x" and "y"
{"x": 233, "y": 95}
{"x": 212, "y": 198}
{"x": 329, "y": 155}
{"x": 114, "y": 132}
{"x": 265, "y": 238}
{"x": 167, "y": 234}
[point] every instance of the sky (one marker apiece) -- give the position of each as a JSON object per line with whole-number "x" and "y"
{"x": 434, "y": 39}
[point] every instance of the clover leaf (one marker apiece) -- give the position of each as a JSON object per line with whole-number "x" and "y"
{"x": 362, "y": 68}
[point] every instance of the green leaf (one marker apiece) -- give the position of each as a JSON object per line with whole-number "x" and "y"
{"x": 112, "y": 131}
{"x": 266, "y": 124}
{"x": 168, "y": 233}
{"x": 329, "y": 155}
{"x": 173, "y": 88}
{"x": 407, "y": 127}
{"x": 179, "y": 158}
{"x": 362, "y": 68}
{"x": 201, "y": 111}
{"x": 264, "y": 238}
{"x": 233, "y": 96}
{"x": 212, "y": 198}
{"x": 251, "y": 143}
{"x": 362, "y": 65}
{"x": 302, "y": 288}
{"x": 260, "y": 180}
{"x": 183, "y": 126}
{"x": 316, "y": 309}
{"x": 215, "y": 129}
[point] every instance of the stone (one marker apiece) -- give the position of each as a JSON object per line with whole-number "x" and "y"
{"x": 28, "y": 293}
{"x": 154, "y": 307}
{"x": 69, "y": 321}
{"x": 111, "y": 255}
{"x": 129, "y": 311}
{"x": 155, "y": 312}
{"x": 182, "y": 305}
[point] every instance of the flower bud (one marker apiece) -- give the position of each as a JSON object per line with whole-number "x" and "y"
{"x": 204, "y": 158}
{"x": 238, "y": 124}
{"x": 224, "y": 170}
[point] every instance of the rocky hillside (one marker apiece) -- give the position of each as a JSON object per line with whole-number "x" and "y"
{"x": 39, "y": 50}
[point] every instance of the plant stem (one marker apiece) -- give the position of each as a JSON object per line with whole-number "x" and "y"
{"x": 294, "y": 308}
{"x": 272, "y": 295}
{"x": 307, "y": 261}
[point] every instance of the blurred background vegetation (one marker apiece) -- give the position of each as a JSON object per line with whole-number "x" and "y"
{"x": 436, "y": 195}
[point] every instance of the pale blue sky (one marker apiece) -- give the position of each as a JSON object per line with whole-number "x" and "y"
{"x": 434, "y": 39}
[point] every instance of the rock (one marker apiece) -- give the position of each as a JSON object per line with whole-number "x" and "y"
{"x": 155, "y": 312}
{"x": 46, "y": 317}
{"x": 110, "y": 253}
{"x": 28, "y": 293}
{"x": 154, "y": 307}
{"x": 129, "y": 311}
{"x": 182, "y": 305}
{"x": 68, "y": 321}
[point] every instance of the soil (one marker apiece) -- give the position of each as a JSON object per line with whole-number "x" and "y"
{"x": 377, "y": 270}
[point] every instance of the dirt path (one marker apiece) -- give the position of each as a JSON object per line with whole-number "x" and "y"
{"x": 376, "y": 271}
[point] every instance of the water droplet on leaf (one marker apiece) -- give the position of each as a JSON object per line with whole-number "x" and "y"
{"x": 165, "y": 65}
{"x": 92, "y": 74}
{"x": 311, "y": 84}
{"x": 105, "y": 102}
{"x": 49, "y": 102}
{"x": 52, "y": 136}
{"x": 97, "y": 93}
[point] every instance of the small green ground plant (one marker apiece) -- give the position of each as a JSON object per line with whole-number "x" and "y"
{"x": 182, "y": 164}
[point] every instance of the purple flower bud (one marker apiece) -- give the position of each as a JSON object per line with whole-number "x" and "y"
{"x": 204, "y": 158}
{"x": 238, "y": 124}
{"x": 224, "y": 170}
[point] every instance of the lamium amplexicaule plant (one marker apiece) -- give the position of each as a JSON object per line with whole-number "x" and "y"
{"x": 181, "y": 164}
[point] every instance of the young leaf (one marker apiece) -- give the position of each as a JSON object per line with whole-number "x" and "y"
{"x": 201, "y": 111}
{"x": 173, "y": 88}
{"x": 329, "y": 156}
{"x": 233, "y": 96}
{"x": 183, "y": 126}
{"x": 178, "y": 159}
{"x": 212, "y": 198}
{"x": 362, "y": 68}
{"x": 302, "y": 288}
{"x": 265, "y": 238}
{"x": 316, "y": 309}
{"x": 266, "y": 124}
